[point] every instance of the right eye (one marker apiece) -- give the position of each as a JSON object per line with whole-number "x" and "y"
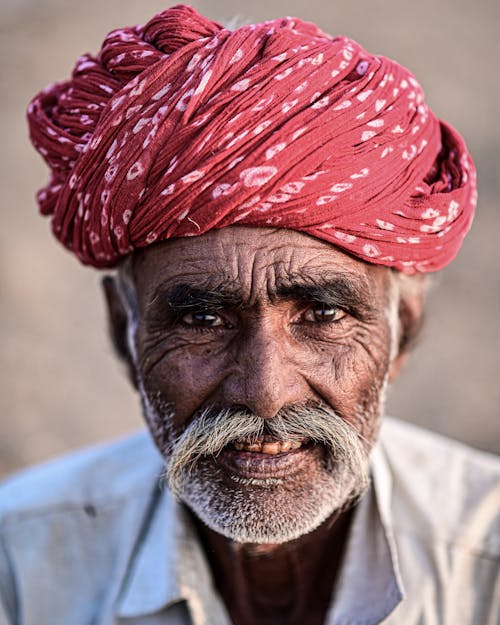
{"x": 202, "y": 319}
{"x": 324, "y": 313}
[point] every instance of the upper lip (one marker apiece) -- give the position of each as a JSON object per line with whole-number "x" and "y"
{"x": 268, "y": 438}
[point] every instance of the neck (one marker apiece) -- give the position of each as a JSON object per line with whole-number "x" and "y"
{"x": 288, "y": 583}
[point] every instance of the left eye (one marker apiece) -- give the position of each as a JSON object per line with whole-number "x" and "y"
{"x": 202, "y": 319}
{"x": 323, "y": 313}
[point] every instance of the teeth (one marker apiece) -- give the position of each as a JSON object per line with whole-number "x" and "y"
{"x": 271, "y": 448}
{"x": 267, "y": 447}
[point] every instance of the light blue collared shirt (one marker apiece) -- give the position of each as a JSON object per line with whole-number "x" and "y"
{"x": 92, "y": 539}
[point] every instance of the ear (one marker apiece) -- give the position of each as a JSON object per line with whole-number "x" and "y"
{"x": 412, "y": 291}
{"x": 118, "y": 322}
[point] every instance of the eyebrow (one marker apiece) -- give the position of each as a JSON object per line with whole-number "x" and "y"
{"x": 184, "y": 298}
{"x": 350, "y": 293}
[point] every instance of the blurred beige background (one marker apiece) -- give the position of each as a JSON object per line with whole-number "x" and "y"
{"x": 60, "y": 386}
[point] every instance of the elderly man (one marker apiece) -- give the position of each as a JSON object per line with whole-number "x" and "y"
{"x": 272, "y": 199}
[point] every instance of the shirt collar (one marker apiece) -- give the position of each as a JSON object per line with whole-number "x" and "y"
{"x": 369, "y": 587}
{"x": 169, "y": 566}
{"x": 151, "y": 582}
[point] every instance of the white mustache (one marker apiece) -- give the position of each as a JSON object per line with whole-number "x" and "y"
{"x": 213, "y": 429}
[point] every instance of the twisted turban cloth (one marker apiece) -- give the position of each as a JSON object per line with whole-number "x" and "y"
{"x": 181, "y": 126}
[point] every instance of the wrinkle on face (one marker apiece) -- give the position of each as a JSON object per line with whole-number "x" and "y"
{"x": 259, "y": 279}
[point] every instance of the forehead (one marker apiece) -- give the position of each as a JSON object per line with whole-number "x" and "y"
{"x": 256, "y": 259}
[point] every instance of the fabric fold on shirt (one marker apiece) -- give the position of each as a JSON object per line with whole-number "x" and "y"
{"x": 169, "y": 567}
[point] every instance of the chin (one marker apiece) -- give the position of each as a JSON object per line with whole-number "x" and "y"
{"x": 268, "y": 510}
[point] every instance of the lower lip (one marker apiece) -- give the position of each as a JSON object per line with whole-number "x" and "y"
{"x": 258, "y": 466}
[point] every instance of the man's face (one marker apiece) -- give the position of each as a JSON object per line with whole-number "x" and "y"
{"x": 255, "y": 327}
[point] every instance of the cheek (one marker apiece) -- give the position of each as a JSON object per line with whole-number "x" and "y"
{"x": 349, "y": 374}
{"x": 182, "y": 374}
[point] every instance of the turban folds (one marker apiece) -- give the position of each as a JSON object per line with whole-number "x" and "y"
{"x": 181, "y": 126}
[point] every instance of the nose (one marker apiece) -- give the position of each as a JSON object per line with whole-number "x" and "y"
{"x": 266, "y": 375}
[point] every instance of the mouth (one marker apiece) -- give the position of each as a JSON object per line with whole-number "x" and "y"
{"x": 266, "y": 458}
{"x": 268, "y": 445}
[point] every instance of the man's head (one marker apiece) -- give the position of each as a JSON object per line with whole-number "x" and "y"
{"x": 262, "y": 358}
{"x": 263, "y": 191}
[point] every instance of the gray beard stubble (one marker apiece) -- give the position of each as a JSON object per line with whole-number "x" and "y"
{"x": 260, "y": 511}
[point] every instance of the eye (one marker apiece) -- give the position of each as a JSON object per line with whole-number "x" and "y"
{"x": 202, "y": 319}
{"x": 324, "y": 313}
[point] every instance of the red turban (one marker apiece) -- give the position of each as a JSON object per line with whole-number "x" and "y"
{"x": 181, "y": 126}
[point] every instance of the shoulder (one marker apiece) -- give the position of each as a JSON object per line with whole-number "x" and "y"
{"x": 93, "y": 476}
{"x": 409, "y": 443}
{"x": 68, "y": 529}
{"x": 443, "y": 490}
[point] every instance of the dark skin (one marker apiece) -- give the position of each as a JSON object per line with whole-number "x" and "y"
{"x": 290, "y": 583}
{"x": 266, "y": 318}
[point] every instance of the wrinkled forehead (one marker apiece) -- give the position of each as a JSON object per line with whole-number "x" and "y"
{"x": 254, "y": 262}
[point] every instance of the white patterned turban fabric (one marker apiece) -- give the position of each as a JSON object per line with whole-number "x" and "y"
{"x": 181, "y": 126}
